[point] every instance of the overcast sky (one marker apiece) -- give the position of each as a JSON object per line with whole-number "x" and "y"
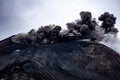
{"x": 17, "y": 16}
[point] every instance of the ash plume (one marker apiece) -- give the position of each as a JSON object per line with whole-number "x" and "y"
{"x": 84, "y": 28}
{"x": 108, "y": 22}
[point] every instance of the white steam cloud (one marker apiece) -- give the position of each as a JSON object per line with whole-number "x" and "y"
{"x": 113, "y": 42}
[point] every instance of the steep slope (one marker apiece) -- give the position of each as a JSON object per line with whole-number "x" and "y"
{"x": 72, "y": 60}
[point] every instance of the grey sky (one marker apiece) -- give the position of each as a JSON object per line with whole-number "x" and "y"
{"x": 18, "y": 16}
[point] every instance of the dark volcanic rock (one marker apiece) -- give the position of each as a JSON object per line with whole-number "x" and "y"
{"x": 72, "y": 60}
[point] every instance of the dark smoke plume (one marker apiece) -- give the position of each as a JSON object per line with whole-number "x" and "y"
{"x": 108, "y": 22}
{"x": 86, "y": 28}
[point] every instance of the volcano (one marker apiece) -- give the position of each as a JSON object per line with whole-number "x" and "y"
{"x": 49, "y": 54}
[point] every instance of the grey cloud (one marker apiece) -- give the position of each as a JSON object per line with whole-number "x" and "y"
{"x": 10, "y": 15}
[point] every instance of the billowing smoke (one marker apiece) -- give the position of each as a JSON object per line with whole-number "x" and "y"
{"x": 47, "y": 34}
{"x": 108, "y": 22}
{"x": 110, "y": 38}
{"x": 84, "y": 28}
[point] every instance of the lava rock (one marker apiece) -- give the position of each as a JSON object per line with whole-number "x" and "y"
{"x": 72, "y": 60}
